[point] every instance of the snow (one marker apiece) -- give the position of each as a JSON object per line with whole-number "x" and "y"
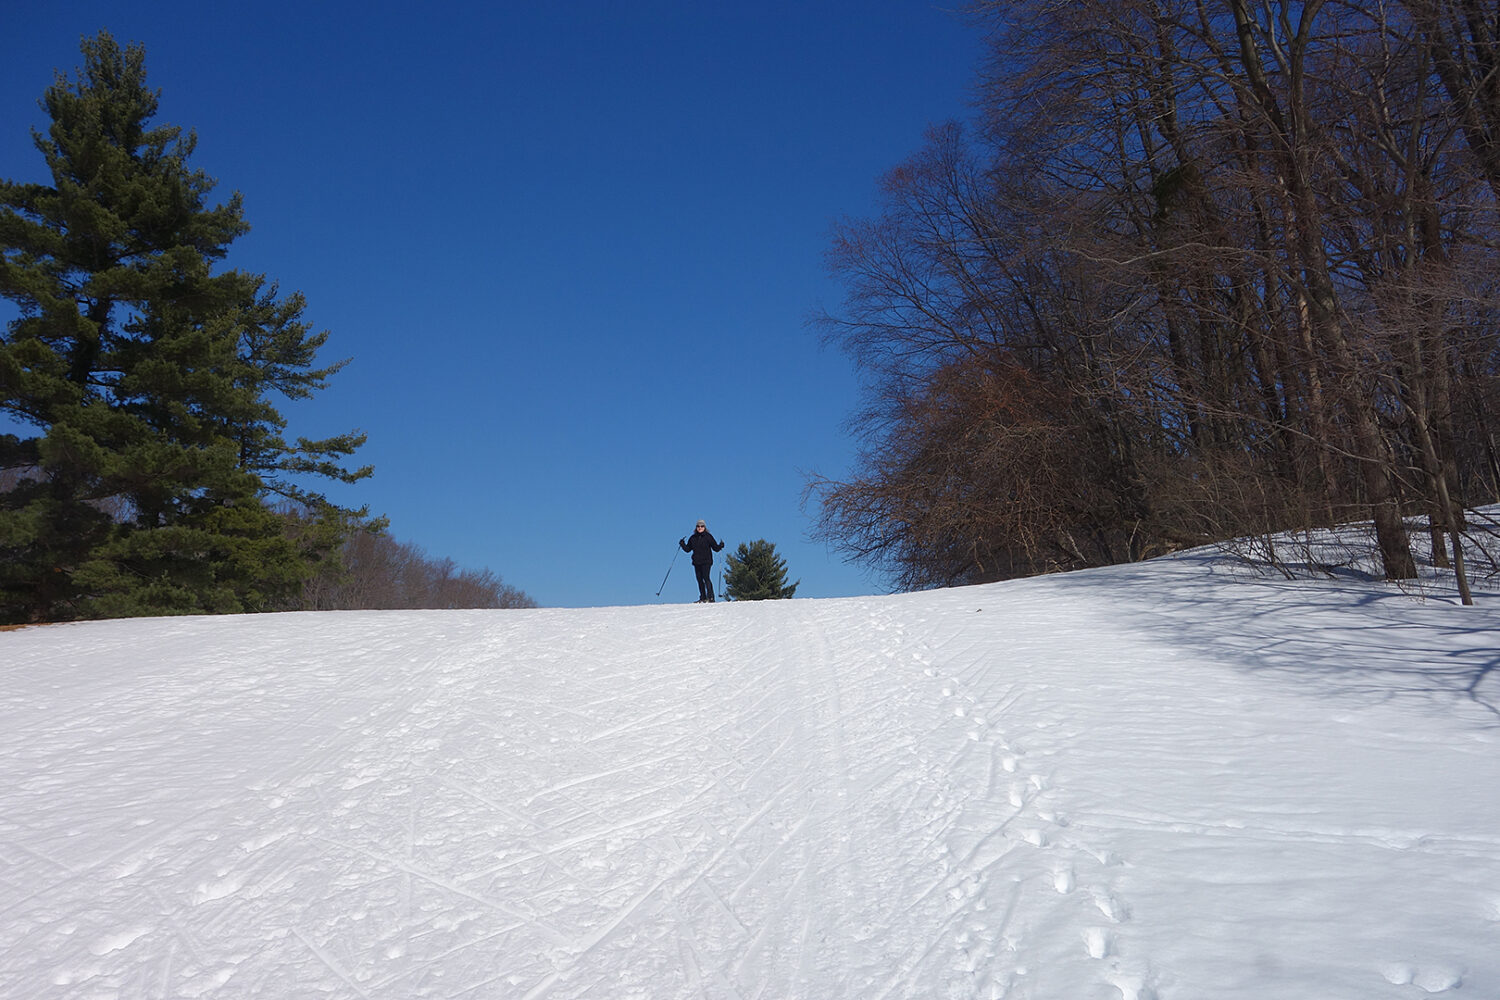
{"x": 1168, "y": 781}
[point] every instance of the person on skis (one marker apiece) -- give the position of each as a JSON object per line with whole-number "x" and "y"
{"x": 703, "y": 546}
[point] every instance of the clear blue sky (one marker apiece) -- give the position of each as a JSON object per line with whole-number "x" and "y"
{"x": 571, "y": 247}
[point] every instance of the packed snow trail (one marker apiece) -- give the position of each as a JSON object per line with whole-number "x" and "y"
{"x": 1147, "y": 783}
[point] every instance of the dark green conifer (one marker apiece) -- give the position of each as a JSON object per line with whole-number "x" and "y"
{"x": 756, "y": 573}
{"x": 150, "y": 453}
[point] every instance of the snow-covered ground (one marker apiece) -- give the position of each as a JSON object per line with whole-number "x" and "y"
{"x": 1172, "y": 780}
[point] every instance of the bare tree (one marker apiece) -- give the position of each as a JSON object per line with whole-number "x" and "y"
{"x": 1207, "y": 271}
{"x": 372, "y": 571}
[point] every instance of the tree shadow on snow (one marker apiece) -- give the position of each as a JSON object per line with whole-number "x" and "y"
{"x": 1347, "y": 633}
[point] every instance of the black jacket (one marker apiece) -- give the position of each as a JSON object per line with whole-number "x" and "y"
{"x": 703, "y": 546}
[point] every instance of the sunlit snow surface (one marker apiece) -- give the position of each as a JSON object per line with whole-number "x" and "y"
{"x": 1172, "y": 780}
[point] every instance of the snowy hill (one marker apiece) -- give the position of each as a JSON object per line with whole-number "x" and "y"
{"x": 1169, "y": 780}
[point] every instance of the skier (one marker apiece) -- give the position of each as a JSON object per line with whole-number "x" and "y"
{"x": 703, "y": 546}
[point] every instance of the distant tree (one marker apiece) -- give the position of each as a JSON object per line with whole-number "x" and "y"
{"x": 150, "y": 453}
{"x": 375, "y": 572}
{"x": 757, "y": 573}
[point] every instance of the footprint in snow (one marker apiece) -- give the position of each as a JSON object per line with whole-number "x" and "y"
{"x": 1107, "y": 858}
{"x": 1107, "y": 904}
{"x": 67, "y": 977}
{"x": 1429, "y": 979}
{"x": 1036, "y": 838}
{"x": 129, "y": 867}
{"x": 1132, "y": 987}
{"x": 253, "y": 844}
{"x": 968, "y": 889}
{"x": 1099, "y": 942}
{"x": 208, "y": 892}
{"x": 117, "y": 941}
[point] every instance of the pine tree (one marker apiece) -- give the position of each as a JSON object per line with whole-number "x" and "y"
{"x": 144, "y": 485}
{"x": 757, "y": 573}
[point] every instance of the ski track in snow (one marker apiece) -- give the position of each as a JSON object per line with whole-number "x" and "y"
{"x": 976, "y": 793}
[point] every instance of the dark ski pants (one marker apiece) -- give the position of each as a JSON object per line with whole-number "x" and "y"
{"x": 705, "y": 573}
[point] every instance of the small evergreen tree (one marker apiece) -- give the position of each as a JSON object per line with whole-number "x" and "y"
{"x": 757, "y": 573}
{"x": 150, "y": 455}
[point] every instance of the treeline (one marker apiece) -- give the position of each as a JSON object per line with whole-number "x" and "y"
{"x": 1198, "y": 271}
{"x": 145, "y": 468}
{"x": 354, "y": 566}
{"x": 373, "y": 571}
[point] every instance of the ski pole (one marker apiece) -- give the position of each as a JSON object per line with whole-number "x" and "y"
{"x": 668, "y": 573}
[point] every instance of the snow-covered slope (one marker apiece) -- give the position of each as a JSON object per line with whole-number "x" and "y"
{"x": 1166, "y": 781}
